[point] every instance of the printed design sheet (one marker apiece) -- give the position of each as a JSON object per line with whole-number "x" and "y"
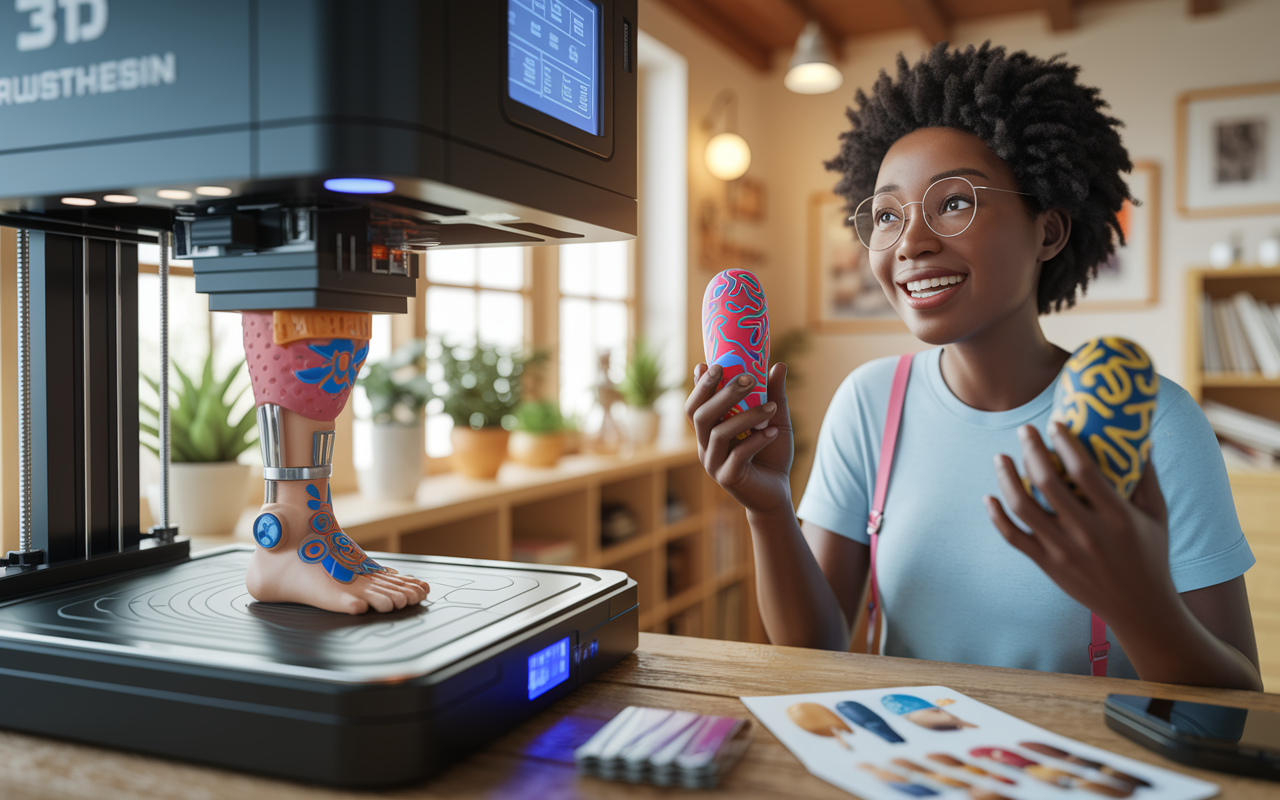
{"x": 931, "y": 741}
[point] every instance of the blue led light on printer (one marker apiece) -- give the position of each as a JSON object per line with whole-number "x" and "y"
{"x": 359, "y": 185}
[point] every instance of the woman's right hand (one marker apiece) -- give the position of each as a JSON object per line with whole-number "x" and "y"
{"x": 755, "y": 471}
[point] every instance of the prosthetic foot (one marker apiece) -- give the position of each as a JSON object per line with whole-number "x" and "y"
{"x": 302, "y": 554}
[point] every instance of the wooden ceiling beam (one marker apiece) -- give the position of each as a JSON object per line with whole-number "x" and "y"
{"x": 1197, "y": 7}
{"x": 830, "y": 31}
{"x": 741, "y": 43}
{"x": 1062, "y": 14}
{"x": 928, "y": 17}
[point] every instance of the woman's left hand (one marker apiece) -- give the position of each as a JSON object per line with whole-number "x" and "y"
{"x": 1110, "y": 555}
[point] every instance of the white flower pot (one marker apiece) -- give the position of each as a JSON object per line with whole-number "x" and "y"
{"x": 644, "y": 426}
{"x": 396, "y": 471}
{"x": 205, "y": 499}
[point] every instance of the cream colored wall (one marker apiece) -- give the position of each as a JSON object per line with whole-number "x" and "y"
{"x": 1140, "y": 54}
{"x": 710, "y": 69}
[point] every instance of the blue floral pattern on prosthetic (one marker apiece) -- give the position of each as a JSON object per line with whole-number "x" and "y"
{"x": 337, "y": 554}
{"x": 338, "y": 373}
{"x": 266, "y": 530}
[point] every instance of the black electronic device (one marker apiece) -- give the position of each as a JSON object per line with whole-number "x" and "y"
{"x": 304, "y": 154}
{"x": 1223, "y": 738}
{"x": 181, "y": 662}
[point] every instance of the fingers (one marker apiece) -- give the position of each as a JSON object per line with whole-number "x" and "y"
{"x": 724, "y": 436}
{"x": 1083, "y": 469}
{"x": 1020, "y": 539}
{"x": 777, "y": 389}
{"x": 1016, "y": 497}
{"x": 703, "y": 389}
{"x": 735, "y": 465}
{"x": 1044, "y": 474}
{"x": 708, "y": 415}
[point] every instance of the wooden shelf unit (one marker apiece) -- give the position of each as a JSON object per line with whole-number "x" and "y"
{"x": 456, "y": 516}
{"x": 1256, "y": 492}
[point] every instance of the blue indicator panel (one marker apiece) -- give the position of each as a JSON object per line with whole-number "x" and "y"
{"x": 548, "y": 668}
{"x": 553, "y": 59}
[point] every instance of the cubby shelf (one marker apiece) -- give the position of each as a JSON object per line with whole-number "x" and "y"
{"x": 1256, "y": 493}
{"x": 456, "y": 516}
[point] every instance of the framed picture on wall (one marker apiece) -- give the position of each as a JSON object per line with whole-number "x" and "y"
{"x": 843, "y": 294}
{"x": 1130, "y": 278}
{"x": 1229, "y": 151}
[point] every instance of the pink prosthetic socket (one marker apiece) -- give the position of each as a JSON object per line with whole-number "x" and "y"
{"x": 311, "y": 377}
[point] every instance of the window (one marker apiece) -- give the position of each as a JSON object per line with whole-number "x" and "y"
{"x": 597, "y": 300}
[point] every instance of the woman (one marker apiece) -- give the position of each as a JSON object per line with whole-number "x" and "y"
{"x": 1022, "y": 156}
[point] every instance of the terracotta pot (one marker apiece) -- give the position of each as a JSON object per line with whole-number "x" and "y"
{"x": 397, "y": 462}
{"x": 205, "y": 499}
{"x": 478, "y": 453}
{"x": 536, "y": 449}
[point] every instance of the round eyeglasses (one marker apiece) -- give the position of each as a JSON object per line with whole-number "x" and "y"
{"x": 949, "y": 206}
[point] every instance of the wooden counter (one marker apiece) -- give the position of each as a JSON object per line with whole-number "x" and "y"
{"x": 536, "y": 759}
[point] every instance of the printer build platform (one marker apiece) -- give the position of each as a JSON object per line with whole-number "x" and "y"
{"x": 180, "y": 661}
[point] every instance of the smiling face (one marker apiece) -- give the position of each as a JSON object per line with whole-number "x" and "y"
{"x": 949, "y": 289}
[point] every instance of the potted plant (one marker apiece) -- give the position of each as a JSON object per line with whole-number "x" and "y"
{"x": 538, "y": 438}
{"x": 484, "y": 388}
{"x": 207, "y": 486}
{"x": 641, "y": 387}
{"x": 398, "y": 391}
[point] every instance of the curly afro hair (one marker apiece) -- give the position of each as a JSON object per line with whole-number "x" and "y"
{"x": 1033, "y": 114}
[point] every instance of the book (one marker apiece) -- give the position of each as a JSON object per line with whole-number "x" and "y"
{"x": 1224, "y": 341}
{"x": 1242, "y": 456}
{"x": 1242, "y": 427}
{"x": 1271, "y": 320}
{"x": 1210, "y": 355}
{"x": 1240, "y": 352}
{"x": 543, "y": 551}
{"x": 1258, "y": 334}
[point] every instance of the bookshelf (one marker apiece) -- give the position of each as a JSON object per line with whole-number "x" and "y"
{"x": 692, "y": 558}
{"x": 1256, "y": 492}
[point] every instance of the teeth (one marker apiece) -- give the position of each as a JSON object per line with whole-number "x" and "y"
{"x": 929, "y": 283}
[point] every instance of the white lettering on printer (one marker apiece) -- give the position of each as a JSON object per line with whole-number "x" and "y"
{"x": 76, "y": 26}
{"x": 123, "y": 75}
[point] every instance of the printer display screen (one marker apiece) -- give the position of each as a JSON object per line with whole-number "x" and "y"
{"x": 548, "y": 668}
{"x": 553, "y": 59}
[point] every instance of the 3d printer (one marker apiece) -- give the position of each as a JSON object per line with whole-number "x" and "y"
{"x": 304, "y": 153}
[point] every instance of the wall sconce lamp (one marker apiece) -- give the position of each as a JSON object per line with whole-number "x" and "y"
{"x": 727, "y": 155}
{"x": 812, "y": 70}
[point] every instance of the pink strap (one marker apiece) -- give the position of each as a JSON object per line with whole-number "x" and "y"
{"x": 1098, "y": 648}
{"x": 897, "y": 396}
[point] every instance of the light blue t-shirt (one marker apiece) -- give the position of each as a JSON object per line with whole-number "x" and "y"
{"x": 952, "y": 588}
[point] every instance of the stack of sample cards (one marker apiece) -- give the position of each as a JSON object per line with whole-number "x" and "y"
{"x": 664, "y": 747}
{"x": 934, "y": 742}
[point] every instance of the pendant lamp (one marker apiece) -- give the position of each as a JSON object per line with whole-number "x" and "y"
{"x": 812, "y": 70}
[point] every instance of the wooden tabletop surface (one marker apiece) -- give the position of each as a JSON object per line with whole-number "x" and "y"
{"x": 536, "y": 759}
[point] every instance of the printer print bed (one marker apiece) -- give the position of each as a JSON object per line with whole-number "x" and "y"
{"x": 204, "y": 604}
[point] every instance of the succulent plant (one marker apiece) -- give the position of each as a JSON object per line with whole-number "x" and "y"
{"x": 642, "y": 384}
{"x": 541, "y": 416}
{"x": 200, "y": 426}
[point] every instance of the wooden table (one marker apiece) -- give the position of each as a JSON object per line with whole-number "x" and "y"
{"x": 536, "y": 759}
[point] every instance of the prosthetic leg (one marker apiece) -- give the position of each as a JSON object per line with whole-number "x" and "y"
{"x": 303, "y": 365}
